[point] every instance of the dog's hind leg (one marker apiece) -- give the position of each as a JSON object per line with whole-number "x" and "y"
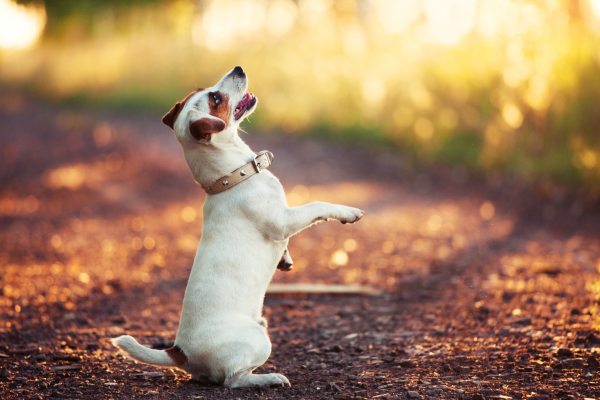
{"x": 250, "y": 350}
{"x": 286, "y": 263}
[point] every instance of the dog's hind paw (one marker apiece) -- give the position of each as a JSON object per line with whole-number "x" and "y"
{"x": 284, "y": 266}
{"x": 277, "y": 380}
{"x": 259, "y": 380}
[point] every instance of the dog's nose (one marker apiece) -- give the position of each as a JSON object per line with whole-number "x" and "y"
{"x": 238, "y": 71}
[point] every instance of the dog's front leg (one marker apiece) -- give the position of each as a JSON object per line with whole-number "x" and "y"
{"x": 292, "y": 220}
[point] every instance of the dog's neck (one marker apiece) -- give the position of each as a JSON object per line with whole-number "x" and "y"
{"x": 209, "y": 163}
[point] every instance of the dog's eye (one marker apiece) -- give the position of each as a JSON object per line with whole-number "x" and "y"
{"x": 217, "y": 99}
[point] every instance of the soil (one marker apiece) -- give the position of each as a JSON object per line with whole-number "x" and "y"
{"x": 489, "y": 284}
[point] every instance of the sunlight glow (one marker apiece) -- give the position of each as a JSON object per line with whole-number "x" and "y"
{"x": 75, "y": 176}
{"x": 20, "y": 26}
{"x": 434, "y": 222}
{"x": 424, "y": 128}
{"x": 298, "y": 196}
{"x": 537, "y": 95}
{"x": 448, "y": 21}
{"x": 377, "y": 64}
{"x": 354, "y": 40}
{"x": 512, "y": 115}
{"x": 188, "y": 214}
{"x": 497, "y": 16}
{"x": 387, "y": 247}
{"x": 313, "y": 10}
{"x": 84, "y": 278}
{"x": 339, "y": 258}
{"x": 397, "y": 16}
{"x": 589, "y": 159}
{"x": 350, "y": 245}
{"x": 595, "y": 4}
{"x": 71, "y": 177}
{"x": 373, "y": 88}
{"x": 102, "y": 134}
{"x": 281, "y": 17}
{"x": 226, "y": 22}
{"x": 487, "y": 211}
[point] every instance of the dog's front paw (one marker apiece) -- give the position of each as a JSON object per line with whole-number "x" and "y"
{"x": 349, "y": 215}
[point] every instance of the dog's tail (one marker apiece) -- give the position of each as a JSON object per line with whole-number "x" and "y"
{"x": 172, "y": 357}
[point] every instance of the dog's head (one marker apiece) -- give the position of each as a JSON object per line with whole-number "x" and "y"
{"x": 209, "y": 116}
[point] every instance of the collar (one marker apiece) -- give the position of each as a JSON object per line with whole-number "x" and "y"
{"x": 263, "y": 160}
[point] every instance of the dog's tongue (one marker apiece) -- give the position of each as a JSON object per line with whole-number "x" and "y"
{"x": 245, "y": 100}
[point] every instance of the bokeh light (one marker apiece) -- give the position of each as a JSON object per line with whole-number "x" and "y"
{"x": 491, "y": 84}
{"x": 20, "y": 26}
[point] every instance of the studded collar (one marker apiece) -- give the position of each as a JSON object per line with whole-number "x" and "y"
{"x": 263, "y": 160}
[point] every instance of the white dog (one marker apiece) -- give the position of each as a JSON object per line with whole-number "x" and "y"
{"x": 222, "y": 336}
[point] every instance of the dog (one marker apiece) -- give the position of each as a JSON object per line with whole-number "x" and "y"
{"x": 222, "y": 336}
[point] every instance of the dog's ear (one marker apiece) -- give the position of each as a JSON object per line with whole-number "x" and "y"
{"x": 202, "y": 128}
{"x": 170, "y": 117}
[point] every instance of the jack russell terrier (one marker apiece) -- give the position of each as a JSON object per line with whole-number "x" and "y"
{"x": 222, "y": 336}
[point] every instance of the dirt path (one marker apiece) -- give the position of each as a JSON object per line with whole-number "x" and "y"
{"x": 488, "y": 285}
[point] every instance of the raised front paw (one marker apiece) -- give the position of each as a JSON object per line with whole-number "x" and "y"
{"x": 349, "y": 214}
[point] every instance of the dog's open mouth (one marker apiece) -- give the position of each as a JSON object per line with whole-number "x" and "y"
{"x": 247, "y": 103}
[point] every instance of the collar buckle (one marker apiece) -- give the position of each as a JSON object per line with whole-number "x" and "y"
{"x": 257, "y": 164}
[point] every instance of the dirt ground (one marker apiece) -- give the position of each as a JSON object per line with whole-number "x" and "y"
{"x": 488, "y": 284}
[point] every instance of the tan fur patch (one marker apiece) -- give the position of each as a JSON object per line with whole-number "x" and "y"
{"x": 170, "y": 117}
{"x": 221, "y": 110}
{"x": 177, "y": 355}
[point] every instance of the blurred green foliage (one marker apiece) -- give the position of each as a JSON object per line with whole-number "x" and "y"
{"x": 506, "y": 85}
{"x": 62, "y": 14}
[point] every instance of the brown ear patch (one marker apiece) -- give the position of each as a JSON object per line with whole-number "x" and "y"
{"x": 202, "y": 128}
{"x": 170, "y": 117}
{"x": 177, "y": 355}
{"x": 222, "y": 110}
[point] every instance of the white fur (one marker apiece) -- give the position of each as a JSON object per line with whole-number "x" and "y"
{"x": 244, "y": 235}
{"x": 141, "y": 353}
